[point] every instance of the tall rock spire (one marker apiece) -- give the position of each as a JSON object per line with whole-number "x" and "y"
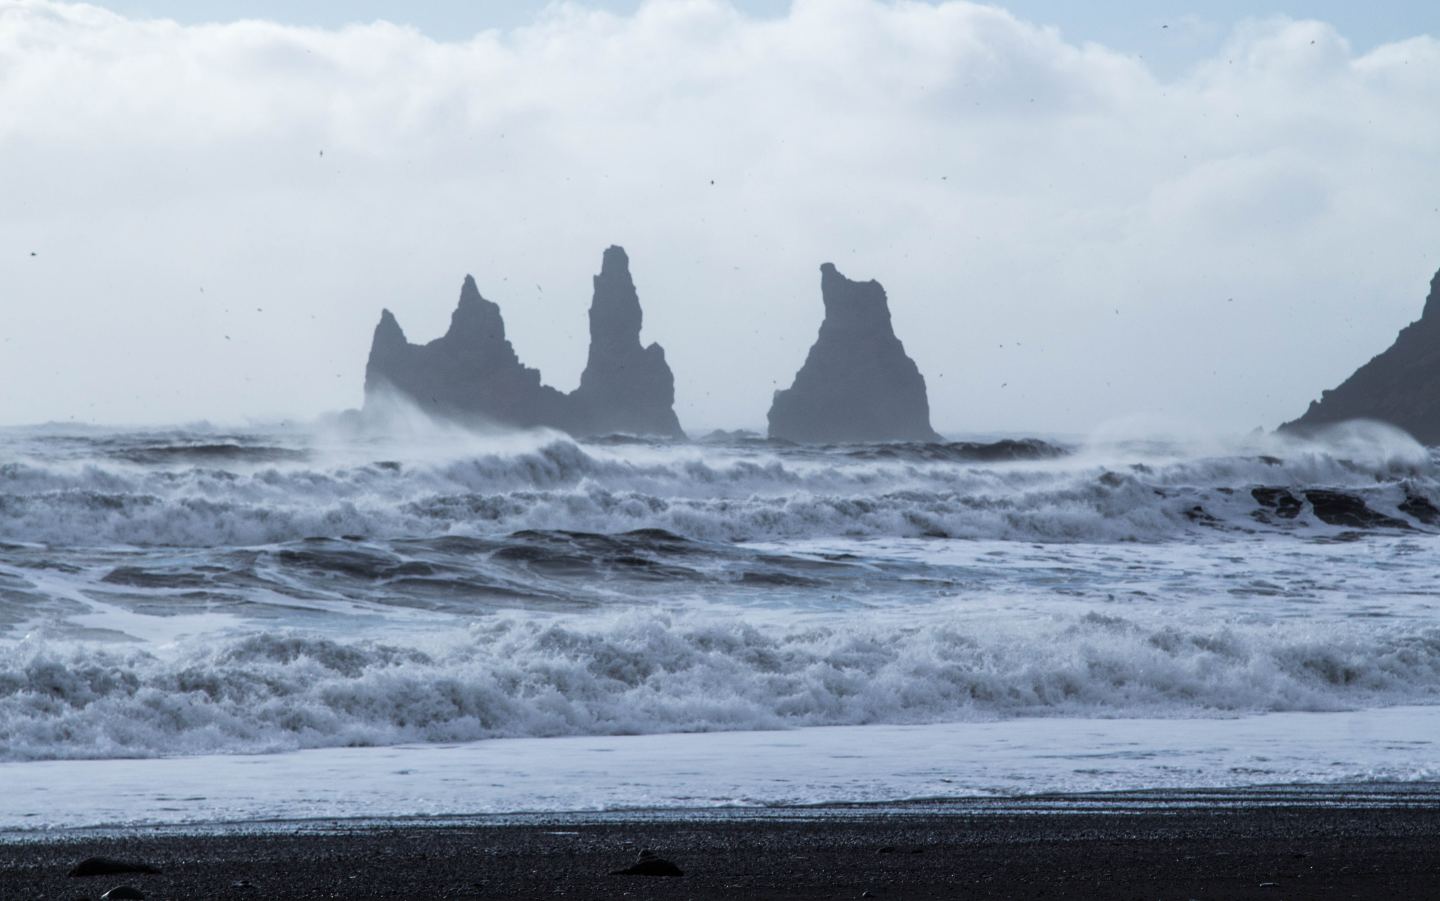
{"x": 857, "y": 383}
{"x": 387, "y": 351}
{"x": 626, "y": 386}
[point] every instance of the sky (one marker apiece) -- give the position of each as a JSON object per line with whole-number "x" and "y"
{"x": 1082, "y": 214}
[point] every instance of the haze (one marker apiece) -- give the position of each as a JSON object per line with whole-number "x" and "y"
{"x": 1078, "y": 215}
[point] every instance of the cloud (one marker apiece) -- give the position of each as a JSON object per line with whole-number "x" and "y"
{"x": 1047, "y": 216}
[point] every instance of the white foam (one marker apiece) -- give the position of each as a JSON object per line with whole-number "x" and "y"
{"x": 495, "y": 484}
{"x": 802, "y": 766}
{"x": 648, "y": 671}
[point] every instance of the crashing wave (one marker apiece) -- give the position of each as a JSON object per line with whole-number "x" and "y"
{"x": 204, "y": 493}
{"x": 646, "y": 672}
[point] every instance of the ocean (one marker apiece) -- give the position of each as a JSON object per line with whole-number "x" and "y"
{"x": 205, "y": 624}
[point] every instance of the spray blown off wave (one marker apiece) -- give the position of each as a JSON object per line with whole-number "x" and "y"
{"x": 212, "y": 491}
{"x": 645, "y": 672}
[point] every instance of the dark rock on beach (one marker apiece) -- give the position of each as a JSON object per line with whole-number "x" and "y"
{"x": 473, "y": 375}
{"x": 1400, "y": 386}
{"x": 857, "y": 383}
{"x": 109, "y": 866}
{"x": 649, "y": 864}
{"x": 1340, "y": 844}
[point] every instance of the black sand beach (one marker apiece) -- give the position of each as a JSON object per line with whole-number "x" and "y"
{"x": 1274, "y": 843}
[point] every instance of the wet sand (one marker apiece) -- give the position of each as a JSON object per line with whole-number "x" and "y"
{"x": 1275, "y": 843}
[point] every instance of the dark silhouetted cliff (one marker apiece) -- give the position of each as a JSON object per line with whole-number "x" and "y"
{"x": 626, "y": 387}
{"x": 1401, "y": 386}
{"x": 857, "y": 383}
{"x": 472, "y": 374}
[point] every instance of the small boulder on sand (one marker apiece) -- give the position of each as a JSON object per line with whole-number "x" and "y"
{"x": 109, "y": 866}
{"x": 649, "y": 864}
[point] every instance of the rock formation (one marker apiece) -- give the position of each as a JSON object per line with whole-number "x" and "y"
{"x": 472, "y": 373}
{"x": 1401, "y": 386}
{"x": 649, "y": 864}
{"x": 857, "y": 383}
{"x": 626, "y": 387}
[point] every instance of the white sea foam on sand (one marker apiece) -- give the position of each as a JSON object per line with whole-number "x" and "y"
{"x": 802, "y": 766}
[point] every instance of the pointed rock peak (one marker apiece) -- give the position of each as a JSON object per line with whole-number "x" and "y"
{"x": 475, "y": 318}
{"x": 386, "y": 348}
{"x": 615, "y": 261}
{"x": 472, "y": 302}
{"x": 469, "y": 292}
{"x": 389, "y": 331}
{"x": 615, "y": 313}
{"x": 614, "y": 285}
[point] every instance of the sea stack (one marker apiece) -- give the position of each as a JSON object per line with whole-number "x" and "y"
{"x": 1401, "y": 386}
{"x": 471, "y": 374}
{"x": 857, "y": 384}
{"x": 626, "y": 387}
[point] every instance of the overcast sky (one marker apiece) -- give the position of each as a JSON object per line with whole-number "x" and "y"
{"x": 1080, "y": 214}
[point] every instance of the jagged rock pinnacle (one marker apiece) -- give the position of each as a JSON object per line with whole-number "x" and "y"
{"x": 472, "y": 372}
{"x": 857, "y": 383}
{"x": 626, "y": 387}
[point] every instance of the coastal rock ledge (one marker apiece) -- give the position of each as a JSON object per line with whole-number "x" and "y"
{"x": 1400, "y": 386}
{"x": 473, "y": 375}
{"x": 857, "y": 384}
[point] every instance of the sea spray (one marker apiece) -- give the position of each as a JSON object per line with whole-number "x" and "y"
{"x": 640, "y": 671}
